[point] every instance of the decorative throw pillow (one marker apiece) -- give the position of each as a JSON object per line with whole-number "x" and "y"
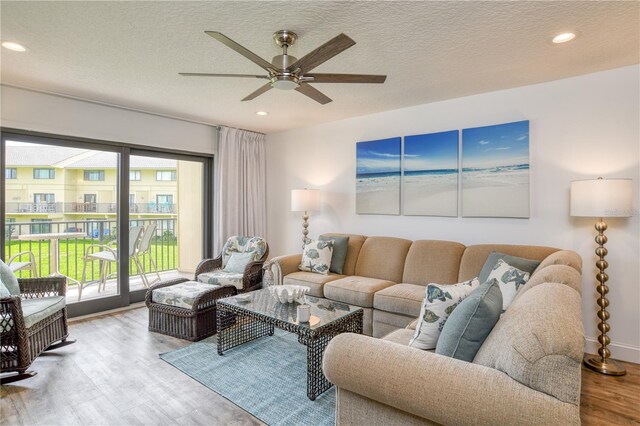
{"x": 439, "y": 301}
{"x": 471, "y": 322}
{"x": 340, "y": 246}
{"x": 9, "y": 279}
{"x": 526, "y": 265}
{"x": 4, "y": 291}
{"x": 316, "y": 257}
{"x": 510, "y": 280}
{"x": 238, "y": 261}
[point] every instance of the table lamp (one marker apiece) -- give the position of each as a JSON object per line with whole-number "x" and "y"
{"x": 305, "y": 200}
{"x": 602, "y": 198}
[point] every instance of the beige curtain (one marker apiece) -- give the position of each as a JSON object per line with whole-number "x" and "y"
{"x": 240, "y": 186}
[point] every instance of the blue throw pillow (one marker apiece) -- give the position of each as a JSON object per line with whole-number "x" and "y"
{"x": 9, "y": 279}
{"x": 526, "y": 265}
{"x": 471, "y": 322}
{"x": 4, "y": 292}
{"x": 238, "y": 261}
{"x": 340, "y": 247}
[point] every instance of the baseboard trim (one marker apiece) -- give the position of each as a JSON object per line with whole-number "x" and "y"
{"x": 618, "y": 351}
{"x": 136, "y": 305}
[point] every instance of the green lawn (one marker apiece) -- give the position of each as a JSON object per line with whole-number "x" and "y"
{"x": 71, "y": 253}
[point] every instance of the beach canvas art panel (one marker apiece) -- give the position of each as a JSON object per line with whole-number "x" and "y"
{"x": 495, "y": 171}
{"x": 378, "y": 177}
{"x": 430, "y": 179}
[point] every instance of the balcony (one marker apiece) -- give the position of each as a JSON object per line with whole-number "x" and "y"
{"x": 99, "y": 208}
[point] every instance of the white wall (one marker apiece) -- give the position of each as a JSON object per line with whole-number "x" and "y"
{"x": 41, "y": 112}
{"x": 581, "y": 127}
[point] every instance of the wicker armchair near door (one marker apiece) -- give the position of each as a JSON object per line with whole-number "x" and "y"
{"x": 211, "y": 271}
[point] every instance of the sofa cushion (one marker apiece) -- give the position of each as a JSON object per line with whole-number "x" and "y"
{"x": 312, "y": 280}
{"x": 430, "y": 261}
{"x": 439, "y": 301}
{"x": 38, "y": 308}
{"x": 316, "y": 257}
{"x": 562, "y": 274}
{"x": 402, "y": 298}
{"x": 526, "y": 265}
{"x": 402, "y": 336}
{"x": 474, "y": 257}
{"x": 182, "y": 295}
{"x": 340, "y": 247}
{"x": 353, "y": 251}
{"x": 355, "y": 290}
{"x": 383, "y": 258}
{"x": 471, "y": 322}
{"x": 220, "y": 277}
{"x": 9, "y": 279}
{"x": 562, "y": 257}
{"x": 539, "y": 341}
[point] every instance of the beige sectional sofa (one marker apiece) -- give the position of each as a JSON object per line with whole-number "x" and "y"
{"x": 526, "y": 372}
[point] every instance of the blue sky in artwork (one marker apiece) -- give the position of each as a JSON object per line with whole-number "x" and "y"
{"x": 433, "y": 151}
{"x": 381, "y": 156}
{"x": 493, "y": 146}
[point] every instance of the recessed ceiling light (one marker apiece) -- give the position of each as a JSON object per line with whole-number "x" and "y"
{"x": 13, "y": 46}
{"x": 563, "y": 38}
{"x": 262, "y": 113}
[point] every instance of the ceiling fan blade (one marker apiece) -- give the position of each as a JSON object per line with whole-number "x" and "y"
{"x": 346, "y": 78}
{"x": 313, "y": 93}
{"x": 241, "y": 50}
{"x": 322, "y": 53}
{"x": 258, "y": 92}
{"x": 203, "y": 74}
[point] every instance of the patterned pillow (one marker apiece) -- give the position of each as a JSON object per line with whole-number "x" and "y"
{"x": 316, "y": 257}
{"x": 510, "y": 280}
{"x": 238, "y": 261}
{"x": 439, "y": 301}
{"x": 9, "y": 279}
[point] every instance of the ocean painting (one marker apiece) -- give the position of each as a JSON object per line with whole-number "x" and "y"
{"x": 378, "y": 177}
{"x": 495, "y": 171}
{"x": 430, "y": 179}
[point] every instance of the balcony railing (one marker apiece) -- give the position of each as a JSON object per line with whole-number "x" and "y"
{"x": 106, "y": 208}
{"x": 71, "y": 251}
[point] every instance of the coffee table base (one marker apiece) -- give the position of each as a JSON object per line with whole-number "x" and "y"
{"x": 237, "y": 326}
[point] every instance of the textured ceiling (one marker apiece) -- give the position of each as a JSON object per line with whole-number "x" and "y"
{"x": 130, "y": 53}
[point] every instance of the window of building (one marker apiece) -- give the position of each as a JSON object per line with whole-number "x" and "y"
{"x": 9, "y": 230}
{"x": 165, "y": 175}
{"x": 44, "y": 198}
{"x": 11, "y": 173}
{"x": 135, "y": 175}
{"x": 164, "y": 199}
{"x": 95, "y": 175}
{"x": 44, "y": 173}
{"x": 40, "y": 226}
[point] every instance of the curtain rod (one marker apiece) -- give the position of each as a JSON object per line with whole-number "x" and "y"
{"x": 92, "y": 101}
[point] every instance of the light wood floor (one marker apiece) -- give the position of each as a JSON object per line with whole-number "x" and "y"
{"x": 113, "y": 375}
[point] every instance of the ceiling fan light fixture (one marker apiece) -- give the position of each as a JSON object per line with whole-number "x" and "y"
{"x": 284, "y": 83}
{"x": 12, "y": 45}
{"x": 564, "y": 37}
{"x": 262, "y": 113}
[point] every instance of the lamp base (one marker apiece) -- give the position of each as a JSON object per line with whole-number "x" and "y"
{"x": 608, "y": 366}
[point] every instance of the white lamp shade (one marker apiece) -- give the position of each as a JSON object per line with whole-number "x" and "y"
{"x": 601, "y": 197}
{"x": 305, "y": 200}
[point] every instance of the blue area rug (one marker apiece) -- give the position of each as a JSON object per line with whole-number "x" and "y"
{"x": 266, "y": 377}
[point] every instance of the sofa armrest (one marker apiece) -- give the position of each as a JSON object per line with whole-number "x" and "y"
{"x": 438, "y": 388}
{"x": 284, "y": 265}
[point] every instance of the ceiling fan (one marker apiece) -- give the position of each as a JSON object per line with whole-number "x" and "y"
{"x": 286, "y": 72}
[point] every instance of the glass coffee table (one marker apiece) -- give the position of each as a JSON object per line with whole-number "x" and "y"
{"x": 240, "y": 322}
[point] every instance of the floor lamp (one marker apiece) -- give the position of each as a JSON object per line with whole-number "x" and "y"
{"x": 305, "y": 200}
{"x": 602, "y": 198}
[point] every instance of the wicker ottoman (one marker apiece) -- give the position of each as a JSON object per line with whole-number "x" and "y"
{"x": 193, "y": 318}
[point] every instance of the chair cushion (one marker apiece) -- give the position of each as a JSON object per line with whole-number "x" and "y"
{"x": 4, "y": 291}
{"x": 340, "y": 246}
{"x": 355, "y": 290}
{"x": 240, "y": 244}
{"x": 405, "y": 299}
{"x": 182, "y": 295}
{"x": 220, "y": 277}
{"x": 36, "y": 309}
{"x": 471, "y": 322}
{"x": 312, "y": 280}
{"x": 9, "y": 279}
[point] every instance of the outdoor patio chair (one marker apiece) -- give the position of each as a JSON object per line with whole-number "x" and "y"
{"x": 108, "y": 254}
{"x": 144, "y": 249}
{"x": 212, "y": 271}
{"x": 17, "y": 264}
{"x": 33, "y": 317}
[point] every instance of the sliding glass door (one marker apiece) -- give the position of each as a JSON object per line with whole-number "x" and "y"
{"x": 112, "y": 219}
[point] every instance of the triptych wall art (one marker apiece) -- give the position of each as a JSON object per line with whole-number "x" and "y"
{"x": 493, "y": 171}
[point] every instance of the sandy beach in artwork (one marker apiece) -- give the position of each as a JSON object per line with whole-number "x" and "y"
{"x": 378, "y": 195}
{"x": 496, "y": 192}
{"x": 430, "y": 193}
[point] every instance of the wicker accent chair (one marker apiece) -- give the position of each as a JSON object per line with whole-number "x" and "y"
{"x": 211, "y": 270}
{"x": 30, "y": 323}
